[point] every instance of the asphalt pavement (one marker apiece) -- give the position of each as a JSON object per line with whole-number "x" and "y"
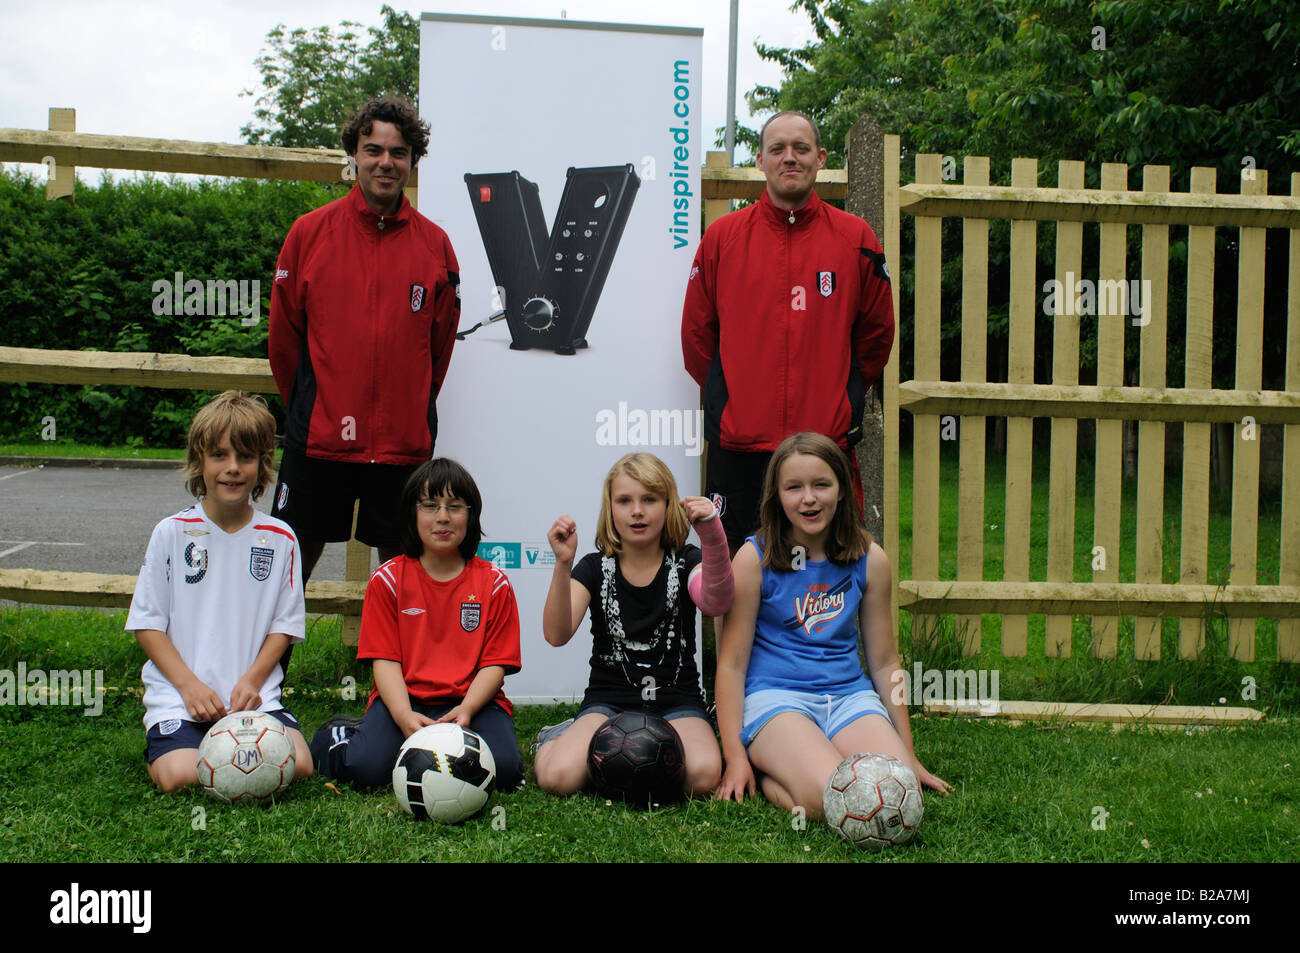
{"x": 98, "y": 519}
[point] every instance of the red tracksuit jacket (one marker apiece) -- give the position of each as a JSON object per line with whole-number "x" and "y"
{"x": 786, "y": 325}
{"x": 364, "y": 312}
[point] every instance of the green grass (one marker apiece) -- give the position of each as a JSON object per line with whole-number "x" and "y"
{"x": 1082, "y": 677}
{"x": 74, "y": 788}
{"x": 1220, "y": 517}
{"x": 58, "y": 448}
{"x": 1023, "y": 793}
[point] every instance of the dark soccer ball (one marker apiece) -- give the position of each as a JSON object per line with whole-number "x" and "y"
{"x": 445, "y": 772}
{"x": 637, "y": 757}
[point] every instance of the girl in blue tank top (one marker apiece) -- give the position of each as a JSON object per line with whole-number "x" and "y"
{"x": 793, "y": 700}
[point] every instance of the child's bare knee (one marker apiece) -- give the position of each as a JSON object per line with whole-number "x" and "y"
{"x": 810, "y": 800}
{"x": 703, "y": 777}
{"x": 557, "y": 778}
{"x": 169, "y": 780}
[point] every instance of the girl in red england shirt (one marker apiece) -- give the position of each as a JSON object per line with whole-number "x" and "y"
{"x": 441, "y": 629}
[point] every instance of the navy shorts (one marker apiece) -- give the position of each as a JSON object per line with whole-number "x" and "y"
{"x": 315, "y": 497}
{"x": 366, "y": 758}
{"x": 189, "y": 734}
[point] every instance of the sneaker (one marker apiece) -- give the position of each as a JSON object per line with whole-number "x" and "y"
{"x": 334, "y": 731}
{"x": 548, "y": 732}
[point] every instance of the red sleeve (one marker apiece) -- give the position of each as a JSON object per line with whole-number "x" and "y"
{"x": 446, "y": 319}
{"x": 873, "y": 329}
{"x": 379, "y": 638}
{"x": 699, "y": 315}
{"x": 501, "y": 640}
{"x": 288, "y": 321}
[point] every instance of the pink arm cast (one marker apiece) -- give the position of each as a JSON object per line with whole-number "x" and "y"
{"x": 712, "y": 589}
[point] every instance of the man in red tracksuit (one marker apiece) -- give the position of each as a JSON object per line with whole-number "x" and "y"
{"x": 364, "y": 312}
{"x": 788, "y": 320}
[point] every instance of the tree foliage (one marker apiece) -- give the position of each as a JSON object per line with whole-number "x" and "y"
{"x": 313, "y": 79}
{"x": 1194, "y": 83}
{"x": 1200, "y": 82}
{"x": 81, "y": 277}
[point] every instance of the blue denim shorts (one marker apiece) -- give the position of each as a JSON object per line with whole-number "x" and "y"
{"x": 830, "y": 713}
{"x": 684, "y": 710}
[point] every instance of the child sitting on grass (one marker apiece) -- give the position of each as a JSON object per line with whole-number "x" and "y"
{"x": 219, "y": 599}
{"x": 793, "y": 699}
{"x": 441, "y": 629}
{"x": 642, "y": 589}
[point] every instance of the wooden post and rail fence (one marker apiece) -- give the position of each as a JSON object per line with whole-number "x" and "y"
{"x": 872, "y": 186}
{"x": 62, "y": 149}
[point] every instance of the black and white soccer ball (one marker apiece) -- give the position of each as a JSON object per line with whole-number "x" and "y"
{"x": 248, "y": 756}
{"x": 637, "y": 757}
{"x": 445, "y": 772}
{"x": 873, "y": 800}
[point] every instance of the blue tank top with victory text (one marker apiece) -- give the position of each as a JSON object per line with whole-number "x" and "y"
{"x": 806, "y": 636}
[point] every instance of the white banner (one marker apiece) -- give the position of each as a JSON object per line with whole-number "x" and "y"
{"x": 564, "y": 165}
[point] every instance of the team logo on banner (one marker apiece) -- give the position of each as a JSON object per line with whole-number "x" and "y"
{"x": 826, "y": 283}
{"x": 259, "y": 562}
{"x": 470, "y": 612}
{"x": 417, "y": 297}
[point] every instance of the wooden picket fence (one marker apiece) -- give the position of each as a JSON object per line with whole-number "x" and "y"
{"x": 928, "y": 398}
{"x": 1194, "y": 406}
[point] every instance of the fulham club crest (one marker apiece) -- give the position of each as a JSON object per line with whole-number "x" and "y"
{"x": 417, "y": 298}
{"x": 259, "y": 562}
{"x": 826, "y": 283}
{"x": 469, "y": 615}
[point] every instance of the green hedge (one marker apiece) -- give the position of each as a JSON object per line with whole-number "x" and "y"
{"x": 81, "y": 277}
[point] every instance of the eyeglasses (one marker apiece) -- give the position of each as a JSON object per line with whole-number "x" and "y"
{"x": 433, "y": 506}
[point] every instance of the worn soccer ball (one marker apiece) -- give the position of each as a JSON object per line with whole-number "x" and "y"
{"x": 445, "y": 772}
{"x": 637, "y": 757}
{"x": 246, "y": 756}
{"x": 874, "y": 800}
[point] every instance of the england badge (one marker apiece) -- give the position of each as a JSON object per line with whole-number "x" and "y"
{"x": 469, "y": 615}
{"x": 259, "y": 562}
{"x": 417, "y": 298}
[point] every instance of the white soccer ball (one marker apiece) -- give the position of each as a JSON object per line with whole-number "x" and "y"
{"x": 246, "y": 756}
{"x": 445, "y": 772}
{"x": 874, "y": 800}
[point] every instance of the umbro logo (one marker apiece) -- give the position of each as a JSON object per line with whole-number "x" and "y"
{"x": 412, "y": 611}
